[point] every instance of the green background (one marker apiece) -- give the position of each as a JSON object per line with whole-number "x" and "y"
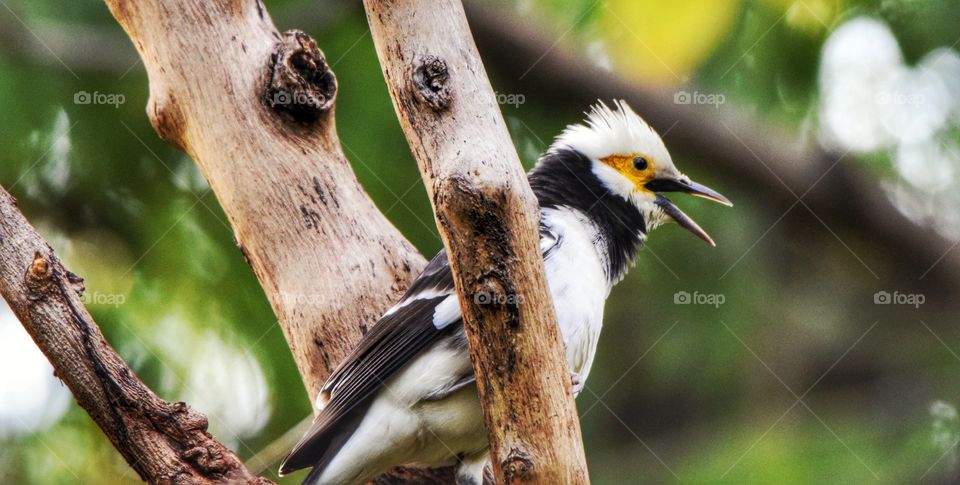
{"x": 679, "y": 393}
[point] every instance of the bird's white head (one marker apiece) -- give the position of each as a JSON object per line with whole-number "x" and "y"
{"x": 630, "y": 159}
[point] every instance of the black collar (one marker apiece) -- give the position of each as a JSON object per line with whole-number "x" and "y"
{"x": 564, "y": 178}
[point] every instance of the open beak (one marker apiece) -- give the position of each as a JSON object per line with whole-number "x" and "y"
{"x": 687, "y": 187}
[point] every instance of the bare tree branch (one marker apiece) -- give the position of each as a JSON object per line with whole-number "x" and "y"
{"x": 164, "y": 442}
{"x": 488, "y": 218}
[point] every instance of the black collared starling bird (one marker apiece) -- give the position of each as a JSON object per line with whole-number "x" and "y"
{"x": 407, "y": 394}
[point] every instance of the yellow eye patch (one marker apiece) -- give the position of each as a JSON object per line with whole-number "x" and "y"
{"x": 637, "y": 168}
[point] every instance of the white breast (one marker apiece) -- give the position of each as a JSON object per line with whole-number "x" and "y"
{"x": 578, "y": 283}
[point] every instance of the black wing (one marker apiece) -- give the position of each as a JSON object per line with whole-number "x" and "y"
{"x": 402, "y": 334}
{"x": 405, "y": 331}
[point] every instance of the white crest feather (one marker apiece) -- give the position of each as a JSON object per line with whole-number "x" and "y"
{"x": 614, "y": 131}
{"x": 619, "y": 131}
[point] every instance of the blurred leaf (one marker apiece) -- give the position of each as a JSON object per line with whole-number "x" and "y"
{"x": 659, "y": 42}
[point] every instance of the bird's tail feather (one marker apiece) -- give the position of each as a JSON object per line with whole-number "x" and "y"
{"x": 313, "y": 478}
{"x": 320, "y": 448}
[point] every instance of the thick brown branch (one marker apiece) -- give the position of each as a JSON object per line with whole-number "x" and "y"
{"x": 488, "y": 219}
{"x": 164, "y": 442}
{"x": 255, "y": 110}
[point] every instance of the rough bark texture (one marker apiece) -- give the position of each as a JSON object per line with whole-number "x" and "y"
{"x": 255, "y": 110}
{"x": 166, "y": 443}
{"x": 488, "y": 219}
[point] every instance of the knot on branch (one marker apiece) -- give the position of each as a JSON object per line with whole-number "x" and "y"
{"x": 40, "y": 268}
{"x": 517, "y": 467}
{"x": 39, "y": 276}
{"x": 189, "y": 428}
{"x": 166, "y": 116}
{"x": 493, "y": 291}
{"x": 301, "y": 84}
{"x": 490, "y": 291}
{"x": 187, "y": 418}
{"x": 475, "y": 201}
{"x": 431, "y": 80}
{"x": 207, "y": 459}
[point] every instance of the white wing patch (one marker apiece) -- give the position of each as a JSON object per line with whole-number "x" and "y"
{"x": 423, "y": 295}
{"x": 447, "y": 312}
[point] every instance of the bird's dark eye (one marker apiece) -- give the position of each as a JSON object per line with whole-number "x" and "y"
{"x": 640, "y": 163}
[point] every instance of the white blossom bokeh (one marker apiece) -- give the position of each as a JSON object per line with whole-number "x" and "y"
{"x": 871, "y": 101}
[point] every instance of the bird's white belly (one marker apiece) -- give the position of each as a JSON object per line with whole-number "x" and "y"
{"x": 579, "y": 287}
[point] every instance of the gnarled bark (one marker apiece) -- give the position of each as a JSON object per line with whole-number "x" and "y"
{"x": 488, "y": 219}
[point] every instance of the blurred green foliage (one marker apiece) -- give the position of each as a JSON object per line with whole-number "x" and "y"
{"x": 685, "y": 393}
